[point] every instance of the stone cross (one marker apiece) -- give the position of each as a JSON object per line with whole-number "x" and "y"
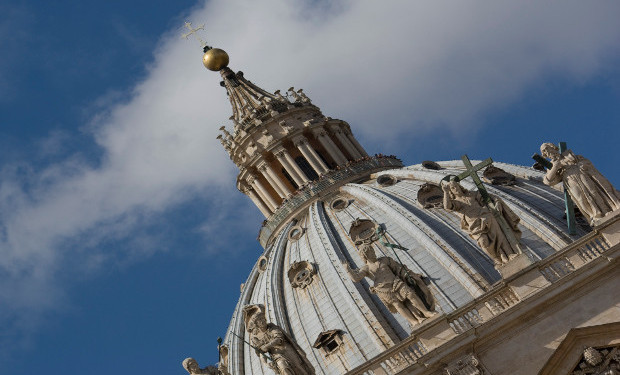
{"x": 188, "y": 25}
{"x": 568, "y": 202}
{"x": 472, "y": 171}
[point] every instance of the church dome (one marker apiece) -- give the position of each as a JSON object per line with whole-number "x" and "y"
{"x": 371, "y": 267}
{"x": 302, "y": 281}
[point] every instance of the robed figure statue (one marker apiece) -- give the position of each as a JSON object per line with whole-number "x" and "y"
{"x": 591, "y": 192}
{"x": 274, "y": 346}
{"x": 481, "y": 224}
{"x": 400, "y": 289}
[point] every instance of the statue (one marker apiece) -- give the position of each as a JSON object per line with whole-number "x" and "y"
{"x": 589, "y": 189}
{"x": 275, "y": 347}
{"x": 401, "y": 290}
{"x": 192, "y": 368}
{"x": 478, "y": 221}
{"x": 222, "y": 365}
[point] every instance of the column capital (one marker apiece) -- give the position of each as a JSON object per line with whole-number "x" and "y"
{"x": 299, "y": 140}
{"x": 279, "y": 152}
{"x": 262, "y": 165}
{"x": 319, "y": 132}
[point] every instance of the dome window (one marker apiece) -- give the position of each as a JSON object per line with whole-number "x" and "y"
{"x": 329, "y": 341}
{"x": 430, "y": 196}
{"x": 301, "y": 274}
{"x": 498, "y": 176}
{"x": 386, "y": 180}
{"x": 295, "y": 233}
{"x": 363, "y": 231}
{"x": 262, "y": 263}
{"x": 431, "y": 165}
{"x": 339, "y": 204}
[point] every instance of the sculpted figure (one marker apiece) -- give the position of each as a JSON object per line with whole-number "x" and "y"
{"x": 478, "y": 221}
{"x": 222, "y": 366}
{"x": 192, "y": 368}
{"x": 401, "y": 290}
{"x": 274, "y": 346}
{"x": 592, "y": 193}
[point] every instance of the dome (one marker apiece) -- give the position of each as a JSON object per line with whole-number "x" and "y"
{"x": 301, "y": 277}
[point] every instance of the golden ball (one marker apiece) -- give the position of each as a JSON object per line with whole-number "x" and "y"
{"x": 215, "y": 59}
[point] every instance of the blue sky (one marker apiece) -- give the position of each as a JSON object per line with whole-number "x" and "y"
{"x": 123, "y": 241}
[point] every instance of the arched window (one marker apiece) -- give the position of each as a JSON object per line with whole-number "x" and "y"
{"x": 306, "y": 168}
{"x": 289, "y": 178}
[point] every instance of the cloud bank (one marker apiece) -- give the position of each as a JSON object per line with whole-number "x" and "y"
{"x": 389, "y": 68}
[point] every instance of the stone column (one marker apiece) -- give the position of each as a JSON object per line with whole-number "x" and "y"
{"x": 308, "y": 152}
{"x": 357, "y": 145}
{"x": 346, "y": 143}
{"x": 329, "y": 145}
{"x": 262, "y": 193}
{"x": 249, "y": 191}
{"x": 291, "y": 167}
{"x": 275, "y": 181}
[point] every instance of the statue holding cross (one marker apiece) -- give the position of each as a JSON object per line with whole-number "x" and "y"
{"x": 591, "y": 192}
{"x": 488, "y": 220}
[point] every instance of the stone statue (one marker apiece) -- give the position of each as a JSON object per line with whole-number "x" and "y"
{"x": 222, "y": 366}
{"x": 303, "y": 96}
{"x": 274, "y": 346}
{"x": 478, "y": 221}
{"x": 192, "y": 368}
{"x": 590, "y": 190}
{"x": 401, "y": 290}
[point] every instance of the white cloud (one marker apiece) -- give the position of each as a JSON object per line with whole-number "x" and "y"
{"x": 380, "y": 65}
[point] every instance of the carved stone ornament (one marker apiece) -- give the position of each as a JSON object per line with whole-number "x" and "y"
{"x": 295, "y": 233}
{"x": 601, "y": 361}
{"x": 339, "y": 204}
{"x": 430, "y": 196}
{"x": 301, "y": 274}
{"x": 466, "y": 365}
{"x": 431, "y": 165}
{"x": 498, "y": 176}
{"x": 363, "y": 231}
{"x": 386, "y": 180}
{"x": 329, "y": 341}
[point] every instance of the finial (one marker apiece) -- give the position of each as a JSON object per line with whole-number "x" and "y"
{"x": 214, "y": 59}
{"x": 188, "y": 26}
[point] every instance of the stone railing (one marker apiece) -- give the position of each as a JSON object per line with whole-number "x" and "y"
{"x": 516, "y": 288}
{"x": 328, "y": 182}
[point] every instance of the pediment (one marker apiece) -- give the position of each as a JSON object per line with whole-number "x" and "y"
{"x": 573, "y": 355}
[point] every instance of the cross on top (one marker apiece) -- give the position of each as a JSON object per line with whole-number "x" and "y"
{"x": 472, "y": 171}
{"x": 188, "y": 25}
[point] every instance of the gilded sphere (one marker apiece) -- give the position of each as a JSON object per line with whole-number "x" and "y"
{"x": 215, "y": 59}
